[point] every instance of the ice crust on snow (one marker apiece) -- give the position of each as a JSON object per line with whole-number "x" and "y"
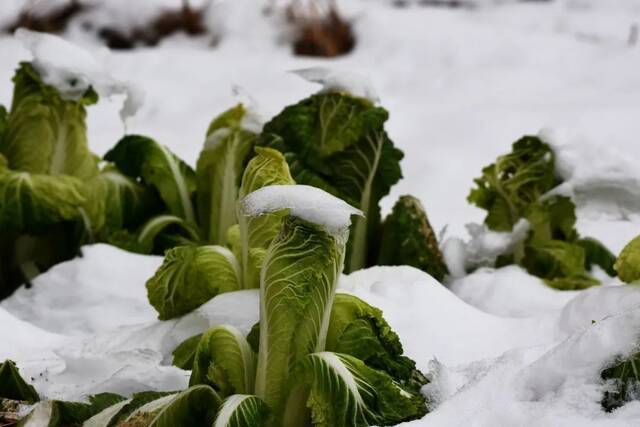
{"x": 332, "y": 80}
{"x": 73, "y": 70}
{"x": 303, "y": 201}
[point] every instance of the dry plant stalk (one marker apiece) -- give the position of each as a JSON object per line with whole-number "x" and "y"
{"x": 321, "y": 31}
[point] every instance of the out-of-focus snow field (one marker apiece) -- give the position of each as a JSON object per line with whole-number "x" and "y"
{"x": 460, "y": 86}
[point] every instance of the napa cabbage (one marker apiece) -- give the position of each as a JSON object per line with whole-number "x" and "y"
{"x": 518, "y": 186}
{"x": 337, "y": 142}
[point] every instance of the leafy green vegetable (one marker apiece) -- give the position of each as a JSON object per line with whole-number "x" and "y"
{"x": 562, "y": 264}
{"x": 300, "y": 316}
{"x": 408, "y": 239}
{"x": 219, "y": 171}
{"x": 338, "y": 143}
{"x": 196, "y": 405}
{"x": 553, "y": 258}
{"x": 552, "y": 219}
{"x": 344, "y": 392}
{"x": 241, "y": 410}
{"x": 298, "y": 281}
{"x": 143, "y": 158}
{"x": 44, "y": 165}
{"x": 185, "y": 353}
{"x": 225, "y": 361}
{"x": 149, "y": 237}
{"x": 597, "y": 254}
{"x": 628, "y": 263}
{"x": 57, "y": 413}
{"x": 4, "y": 117}
{"x": 359, "y": 330}
{"x": 268, "y": 167}
{"x": 511, "y": 189}
{"x": 118, "y": 202}
{"x": 623, "y": 380}
{"x": 34, "y": 202}
{"x": 515, "y": 181}
{"x": 46, "y": 134}
{"x": 12, "y": 386}
{"x": 191, "y": 276}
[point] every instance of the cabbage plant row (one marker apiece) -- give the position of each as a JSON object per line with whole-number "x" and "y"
{"x": 316, "y": 358}
{"x": 56, "y": 195}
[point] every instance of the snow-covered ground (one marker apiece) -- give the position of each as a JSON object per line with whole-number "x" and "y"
{"x": 86, "y": 327}
{"x": 461, "y": 85}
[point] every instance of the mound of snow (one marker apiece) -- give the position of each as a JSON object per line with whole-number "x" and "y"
{"x": 101, "y": 290}
{"x": 510, "y": 292}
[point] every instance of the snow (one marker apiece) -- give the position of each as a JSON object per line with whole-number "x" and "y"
{"x": 500, "y": 347}
{"x": 303, "y": 201}
{"x": 484, "y": 247}
{"x": 73, "y": 70}
{"x": 356, "y": 84}
{"x": 601, "y": 185}
{"x": 509, "y": 292}
{"x": 53, "y": 302}
{"x": 494, "y": 365}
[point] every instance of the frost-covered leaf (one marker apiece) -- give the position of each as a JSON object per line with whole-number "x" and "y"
{"x": 13, "y": 387}
{"x": 219, "y": 171}
{"x": 185, "y": 353}
{"x": 140, "y": 157}
{"x": 622, "y": 382}
{"x": 34, "y": 202}
{"x": 191, "y": 276}
{"x": 628, "y": 263}
{"x": 408, "y": 239}
{"x": 344, "y": 392}
{"x": 338, "y": 143}
{"x": 298, "y": 282}
{"x": 44, "y": 133}
{"x": 515, "y": 181}
{"x": 225, "y": 361}
{"x": 241, "y": 410}
{"x": 268, "y": 167}
{"x": 359, "y": 330}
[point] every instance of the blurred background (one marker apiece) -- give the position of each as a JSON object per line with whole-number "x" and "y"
{"x": 462, "y": 79}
